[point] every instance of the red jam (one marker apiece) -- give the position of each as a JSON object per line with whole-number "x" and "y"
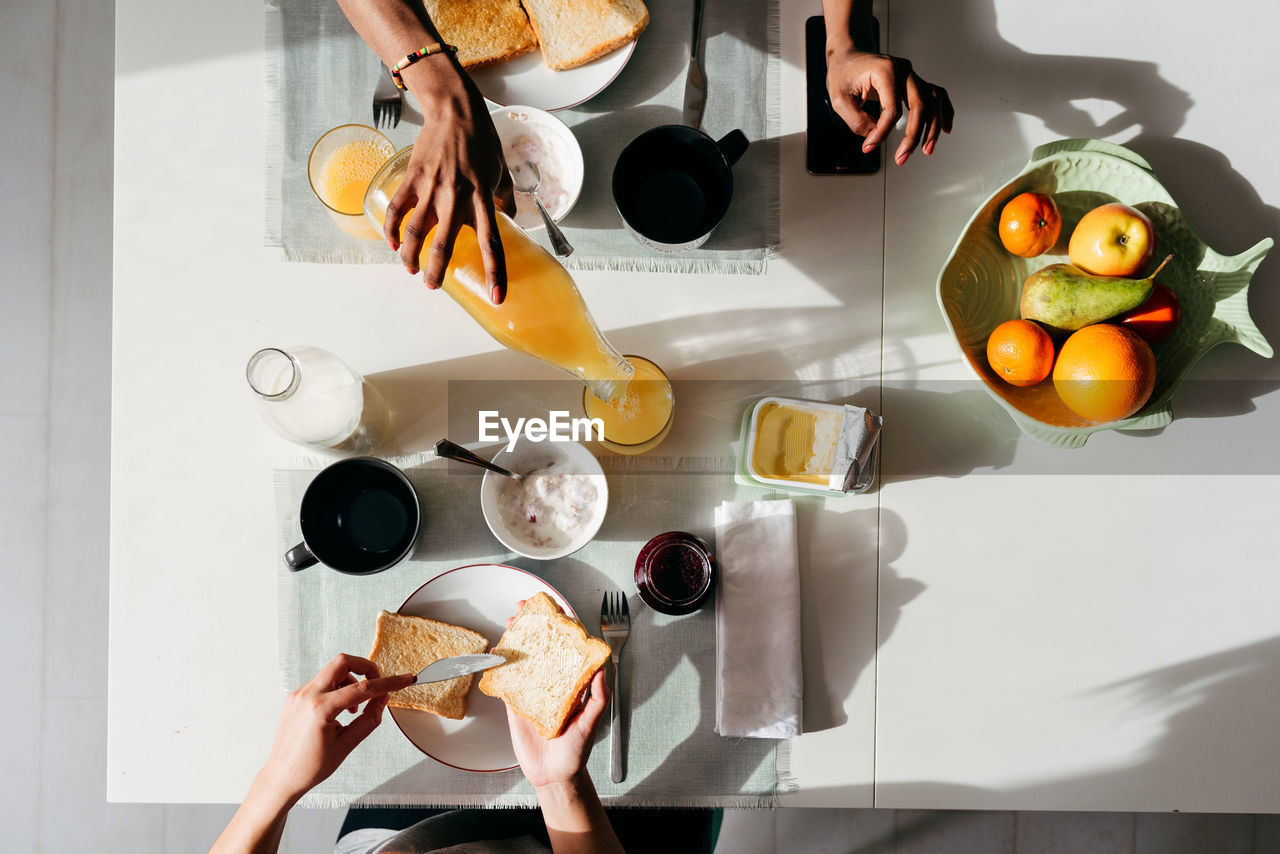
{"x": 675, "y": 573}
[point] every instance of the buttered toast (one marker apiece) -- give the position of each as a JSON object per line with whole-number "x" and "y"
{"x": 406, "y": 644}
{"x": 574, "y": 32}
{"x": 485, "y": 32}
{"x": 550, "y": 660}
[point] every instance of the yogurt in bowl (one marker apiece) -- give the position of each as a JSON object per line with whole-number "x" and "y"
{"x": 530, "y": 135}
{"x": 556, "y": 510}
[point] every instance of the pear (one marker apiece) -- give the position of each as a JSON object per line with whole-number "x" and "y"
{"x": 1064, "y": 297}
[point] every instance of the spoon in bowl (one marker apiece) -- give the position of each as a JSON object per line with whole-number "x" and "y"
{"x": 452, "y": 451}
{"x": 526, "y": 179}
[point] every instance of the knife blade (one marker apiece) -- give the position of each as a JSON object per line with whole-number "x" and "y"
{"x": 458, "y": 665}
{"x": 695, "y": 84}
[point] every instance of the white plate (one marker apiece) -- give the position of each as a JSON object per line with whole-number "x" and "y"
{"x": 526, "y": 80}
{"x": 480, "y": 597}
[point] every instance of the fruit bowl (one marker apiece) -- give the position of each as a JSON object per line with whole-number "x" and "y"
{"x": 980, "y": 284}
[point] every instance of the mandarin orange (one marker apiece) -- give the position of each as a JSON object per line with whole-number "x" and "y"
{"x": 1020, "y": 352}
{"x": 1105, "y": 372}
{"x": 1030, "y": 224}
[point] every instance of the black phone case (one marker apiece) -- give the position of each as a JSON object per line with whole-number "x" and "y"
{"x": 830, "y": 147}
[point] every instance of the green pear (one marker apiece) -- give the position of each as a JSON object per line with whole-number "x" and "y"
{"x": 1064, "y": 297}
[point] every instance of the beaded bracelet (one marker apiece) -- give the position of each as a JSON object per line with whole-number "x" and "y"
{"x": 439, "y": 47}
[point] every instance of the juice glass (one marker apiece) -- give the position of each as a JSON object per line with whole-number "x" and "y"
{"x": 342, "y": 163}
{"x": 543, "y": 316}
{"x": 638, "y": 419}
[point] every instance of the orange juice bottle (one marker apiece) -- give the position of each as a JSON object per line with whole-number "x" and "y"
{"x": 543, "y": 316}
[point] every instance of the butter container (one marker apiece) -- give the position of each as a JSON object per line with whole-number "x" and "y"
{"x": 803, "y": 446}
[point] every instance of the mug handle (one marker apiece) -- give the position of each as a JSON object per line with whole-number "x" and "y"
{"x": 300, "y": 557}
{"x": 732, "y": 145}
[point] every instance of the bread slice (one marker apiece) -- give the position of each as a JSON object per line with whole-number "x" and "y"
{"x": 550, "y": 661}
{"x": 574, "y": 32}
{"x": 406, "y": 644}
{"x": 485, "y": 32}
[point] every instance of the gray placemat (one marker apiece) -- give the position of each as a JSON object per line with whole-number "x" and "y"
{"x": 320, "y": 74}
{"x": 674, "y": 758}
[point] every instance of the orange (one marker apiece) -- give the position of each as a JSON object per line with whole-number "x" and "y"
{"x": 1105, "y": 372}
{"x": 1020, "y": 352}
{"x": 1030, "y": 224}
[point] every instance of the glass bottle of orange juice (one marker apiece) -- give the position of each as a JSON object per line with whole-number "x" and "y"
{"x": 543, "y": 316}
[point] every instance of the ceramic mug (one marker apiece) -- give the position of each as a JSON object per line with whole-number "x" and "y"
{"x": 358, "y": 516}
{"x": 673, "y": 184}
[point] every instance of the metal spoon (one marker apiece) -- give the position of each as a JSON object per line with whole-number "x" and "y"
{"x": 520, "y": 179}
{"x": 452, "y": 451}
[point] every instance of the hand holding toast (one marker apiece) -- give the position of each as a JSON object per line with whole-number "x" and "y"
{"x": 310, "y": 744}
{"x": 546, "y": 761}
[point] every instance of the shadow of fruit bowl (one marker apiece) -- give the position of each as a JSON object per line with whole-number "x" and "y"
{"x": 981, "y": 283}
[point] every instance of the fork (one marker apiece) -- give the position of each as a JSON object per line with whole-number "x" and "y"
{"x": 387, "y": 99}
{"x": 615, "y": 625}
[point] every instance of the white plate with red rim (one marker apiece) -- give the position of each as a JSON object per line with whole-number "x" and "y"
{"x": 527, "y": 80}
{"x": 480, "y": 597}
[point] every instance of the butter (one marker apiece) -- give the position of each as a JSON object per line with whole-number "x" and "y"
{"x": 795, "y": 442}
{"x": 830, "y": 447}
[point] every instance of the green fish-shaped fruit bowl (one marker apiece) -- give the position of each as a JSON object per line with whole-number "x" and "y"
{"x": 981, "y": 283}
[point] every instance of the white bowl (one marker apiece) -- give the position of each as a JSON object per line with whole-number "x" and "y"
{"x": 559, "y": 153}
{"x": 567, "y": 458}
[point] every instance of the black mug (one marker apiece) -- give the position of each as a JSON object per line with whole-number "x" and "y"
{"x": 358, "y": 516}
{"x": 673, "y": 185}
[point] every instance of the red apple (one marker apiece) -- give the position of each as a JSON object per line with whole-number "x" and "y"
{"x": 1156, "y": 318}
{"x": 1113, "y": 240}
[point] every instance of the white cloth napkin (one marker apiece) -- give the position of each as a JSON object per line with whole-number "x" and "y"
{"x": 759, "y": 681}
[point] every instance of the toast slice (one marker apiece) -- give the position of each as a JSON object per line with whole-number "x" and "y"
{"x": 406, "y": 644}
{"x": 550, "y": 661}
{"x": 485, "y": 32}
{"x": 574, "y": 32}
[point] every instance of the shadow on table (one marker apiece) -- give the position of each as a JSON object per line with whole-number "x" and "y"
{"x": 812, "y": 344}
{"x": 849, "y": 551}
{"x": 1223, "y": 206}
{"x": 1209, "y": 725}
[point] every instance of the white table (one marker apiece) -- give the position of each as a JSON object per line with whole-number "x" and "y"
{"x": 1092, "y": 630}
{"x": 950, "y": 658}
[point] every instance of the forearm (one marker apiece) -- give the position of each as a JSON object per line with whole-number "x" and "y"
{"x": 575, "y": 818}
{"x": 257, "y": 826}
{"x": 841, "y": 17}
{"x": 395, "y": 28}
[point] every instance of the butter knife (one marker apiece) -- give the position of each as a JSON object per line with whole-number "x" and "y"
{"x": 458, "y": 665}
{"x": 695, "y": 85}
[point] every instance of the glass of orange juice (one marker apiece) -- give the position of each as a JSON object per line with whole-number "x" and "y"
{"x": 637, "y": 420}
{"x": 341, "y": 165}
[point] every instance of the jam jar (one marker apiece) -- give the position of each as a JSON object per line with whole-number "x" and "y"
{"x": 675, "y": 573}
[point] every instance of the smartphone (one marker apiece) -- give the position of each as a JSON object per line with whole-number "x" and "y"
{"x": 830, "y": 147}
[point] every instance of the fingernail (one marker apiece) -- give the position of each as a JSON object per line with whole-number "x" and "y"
{"x": 495, "y": 295}
{"x": 900, "y": 159}
{"x": 928, "y": 148}
{"x": 412, "y": 271}
{"x": 866, "y": 148}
